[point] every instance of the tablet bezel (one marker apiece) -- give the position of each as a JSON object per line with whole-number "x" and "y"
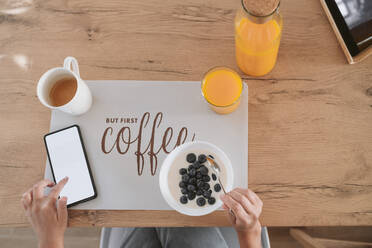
{"x": 342, "y": 28}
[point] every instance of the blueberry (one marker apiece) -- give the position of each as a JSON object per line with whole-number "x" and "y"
{"x": 202, "y": 158}
{"x": 182, "y": 184}
{"x": 192, "y": 181}
{"x": 199, "y": 175}
{"x": 206, "y": 186}
{"x": 207, "y": 194}
{"x": 183, "y": 199}
{"x": 191, "y": 157}
{"x": 197, "y": 165}
{"x": 204, "y": 170}
{"x": 212, "y": 200}
{"x": 191, "y": 166}
{"x": 191, "y": 195}
{"x": 199, "y": 184}
{"x": 199, "y": 192}
{"x": 206, "y": 178}
{"x": 183, "y": 171}
{"x": 214, "y": 177}
{"x": 185, "y": 178}
{"x": 200, "y": 201}
{"x": 210, "y": 191}
{"x": 184, "y": 191}
{"x": 217, "y": 187}
{"x": 191, "y": 188}
{"x": 192, "y": 173}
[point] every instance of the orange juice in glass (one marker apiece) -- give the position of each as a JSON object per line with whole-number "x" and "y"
{"x": 222, "y": 88}
{"x": 258, "y": 29}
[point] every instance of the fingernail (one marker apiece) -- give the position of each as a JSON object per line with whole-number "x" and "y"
{"x": 64, "y": 198}
{"x": 66, "y": 178}
{"x": 222, "y": 197}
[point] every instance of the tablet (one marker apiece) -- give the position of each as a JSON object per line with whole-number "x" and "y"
{"x": 351, "y": 20}
{"x": 67, "y": 157}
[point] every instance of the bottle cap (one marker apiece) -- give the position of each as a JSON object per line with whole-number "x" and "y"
{"x": 260, "y": 8}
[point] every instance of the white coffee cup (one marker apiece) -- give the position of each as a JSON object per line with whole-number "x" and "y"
{"x": 82, "y": 100}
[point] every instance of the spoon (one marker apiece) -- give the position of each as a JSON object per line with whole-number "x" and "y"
{"x": 216, "y": 168}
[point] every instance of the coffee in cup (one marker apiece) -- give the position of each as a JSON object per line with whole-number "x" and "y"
{"x": 62, "y": 88}
{"x": 62, "y": 91}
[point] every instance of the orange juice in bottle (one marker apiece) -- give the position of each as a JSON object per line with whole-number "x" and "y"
{"x": 258, "y": 29}
{"x": 222, "y": 88}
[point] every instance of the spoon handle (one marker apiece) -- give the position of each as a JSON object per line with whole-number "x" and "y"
{"x": 223, "y": 188}
{"x": 230, "y": 210}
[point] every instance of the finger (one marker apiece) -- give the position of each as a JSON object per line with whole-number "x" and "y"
{"x": 26, "y": 208}
{"x": 62, "y": 210}
{"x": 29, "y": 191}
{"x": 38, "y": 188}
{"x": 58, "y": 188}
{"x": 231, "y": 216}
{"x": 250, "y": 195}
{"x": 254, "y": 196}
{"x": 28, "y": 196}
{"x": 26, "y": 200}
{"x": 232, "y": 204}
{"x": 243, "y": 200}
{"x": 227, "y": 208}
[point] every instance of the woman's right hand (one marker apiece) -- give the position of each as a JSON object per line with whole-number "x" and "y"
{"x": 245, "y": 208}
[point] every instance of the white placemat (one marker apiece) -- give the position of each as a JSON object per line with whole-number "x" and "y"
{"x": 123, "y": 105}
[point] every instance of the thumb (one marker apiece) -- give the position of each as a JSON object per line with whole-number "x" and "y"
{"x": 232, "y": 217}
{"x": 62, "y": 210}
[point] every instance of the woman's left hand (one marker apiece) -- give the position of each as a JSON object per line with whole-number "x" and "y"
{"x": 46, "y": 213}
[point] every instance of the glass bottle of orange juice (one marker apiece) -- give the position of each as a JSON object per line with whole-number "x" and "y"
{"x": 258, "y": 29}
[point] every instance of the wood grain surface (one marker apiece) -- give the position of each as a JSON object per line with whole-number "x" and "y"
{"x": 310, "y": 119}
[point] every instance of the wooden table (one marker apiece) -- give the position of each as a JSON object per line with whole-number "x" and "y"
{"x": 310, "y": 119}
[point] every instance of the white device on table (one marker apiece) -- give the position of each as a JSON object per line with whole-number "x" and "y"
{"x": 67, "y": 157}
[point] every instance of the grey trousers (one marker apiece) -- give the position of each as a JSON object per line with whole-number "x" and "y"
{"x": 174, "y": 237}
{"x": 168, "y": 237}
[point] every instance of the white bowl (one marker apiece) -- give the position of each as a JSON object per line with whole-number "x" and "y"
{"x": 176, "y": 160}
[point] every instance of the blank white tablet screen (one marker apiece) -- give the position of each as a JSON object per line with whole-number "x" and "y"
{"x": 67, "y": 158}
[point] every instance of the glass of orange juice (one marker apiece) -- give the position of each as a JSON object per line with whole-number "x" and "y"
{"x": 222, "y": 88}
{"x": 258, "y": 30}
